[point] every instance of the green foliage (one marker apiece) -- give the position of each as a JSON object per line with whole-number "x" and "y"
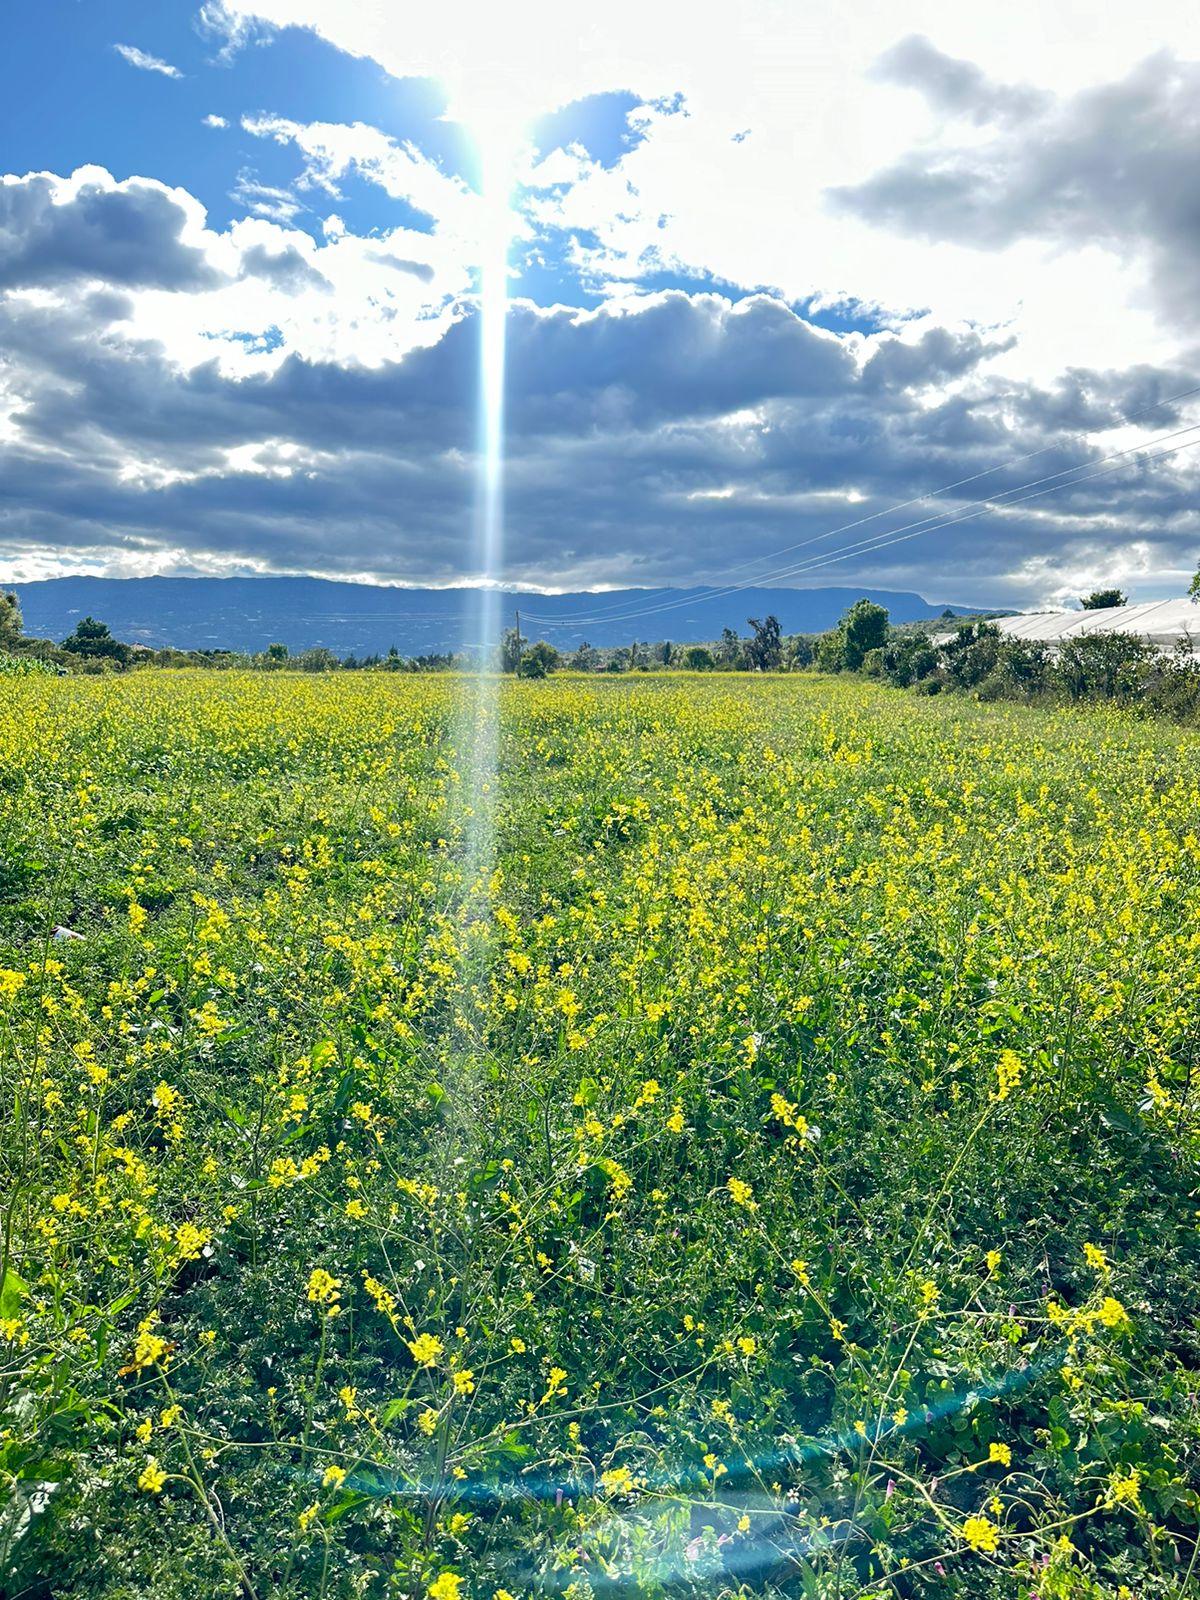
{"x": 863, "y": 628}
{"x": 539, "y": 660}
{"x": 26, "y": 666}
{"x": 698, "y": 659}
{"x": 512, "y": 647}
{"x": 776, "y": 1178}
{"x": 764, "y": 651}
{"x": 1101, "y": 599}
{"x": 11, "y": 625}
{"x": 92, "y": 642}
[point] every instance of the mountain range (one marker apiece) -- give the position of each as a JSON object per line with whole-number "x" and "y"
{"x": 247, "y": 614}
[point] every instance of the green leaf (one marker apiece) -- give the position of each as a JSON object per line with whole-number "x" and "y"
{"x": 12, "y": 1292}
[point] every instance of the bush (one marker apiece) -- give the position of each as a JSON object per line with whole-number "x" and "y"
{"x": 1102, "y": 666}
{"x": 27, "y": 667}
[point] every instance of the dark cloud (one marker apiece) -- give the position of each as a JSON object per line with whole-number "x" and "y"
{"x": 285, "y": 269}
{"x": 1113, "y": 166}
{"x": 128, "y": 235}
{"x": 671, "y": 441}
{"x": 959, "y": 88}
{"x": 938, "y": 355}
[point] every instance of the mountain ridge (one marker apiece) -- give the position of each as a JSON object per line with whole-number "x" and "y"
{"x": 247, "y": 614}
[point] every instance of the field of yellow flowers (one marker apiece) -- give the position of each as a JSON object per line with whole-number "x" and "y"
{"x": 776, "y": 1174}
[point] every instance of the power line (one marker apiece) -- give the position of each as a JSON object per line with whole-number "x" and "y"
{"x": 924, "y": 524}
{"x": 881, "y": 541}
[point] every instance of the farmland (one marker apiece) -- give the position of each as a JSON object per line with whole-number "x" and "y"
{"x": 776, "y": 1172}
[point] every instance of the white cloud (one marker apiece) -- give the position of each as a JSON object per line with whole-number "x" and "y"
{"x": 146, "y": 62}
{"x": 214, "y": 121}
{"x": 804, "y": 84}
{"x": 333, "y": 150}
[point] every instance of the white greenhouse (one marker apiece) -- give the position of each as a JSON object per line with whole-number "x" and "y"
{"x": 1166, "y": 624}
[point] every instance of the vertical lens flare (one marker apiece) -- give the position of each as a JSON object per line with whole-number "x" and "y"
{"x": 497, "y": 150}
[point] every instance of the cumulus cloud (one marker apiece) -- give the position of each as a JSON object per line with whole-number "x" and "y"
{"x": 137, "y": 233}
{"x": 1019, "y": 225}
{"x": 146, "y": 62}
{"x": 668, "y": 440}
{"x": 1111, "y": 166}
{"x": 959, "y": 88}
{"x": 212, "y": 120}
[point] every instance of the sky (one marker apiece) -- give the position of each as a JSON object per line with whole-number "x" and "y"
{"x": 899, "y": 295}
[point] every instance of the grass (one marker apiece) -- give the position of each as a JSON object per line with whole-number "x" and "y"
{"x": 778, "y": 1176}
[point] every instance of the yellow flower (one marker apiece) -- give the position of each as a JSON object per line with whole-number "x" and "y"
{"x": 170, "y": 1415}
{"x": 10, "y": 983}
{"x": 1009, "y": 1071}
{"x": 149, "y": 1350}
{"x": 1001, "y": 1453}
{"x": 447, "y": 1586}
{"x": 1095, "y": 1257}
{"x": 463, "y": 1381}
{"x": 743, "y": 1525}
{"x": 992, "y": 1259}
{"x": 1112, "y": 1313}
{"x": 143, "y": 1430}
{"x": 617, "y": 1480}
{"x": 747, "y": 1345}
{"x": 153, "y": 1477}
{"x": 427, "y": 1421}
{"x": 741, "y": 1193}
{"x": 305, "y": 1519}
{"x": 556, "y": 1383}
{"x": 322, "y": 1288}
{"x": 1124, "y": 1489}
{"x": 333, "y": 1477}
{"x": 980, "y": 1534}
{"x": 426, "y": 1350}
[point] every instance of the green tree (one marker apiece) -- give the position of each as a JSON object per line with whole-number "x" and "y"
{"x": 1101, "y": 599}
{"x": 586, "y": 659}
{"x": 764, "y": 651}
{"x": 697, "y": 659}
{"x": 277, "y": 654}
{"x": 539, "y": 660}
{"x": 12, "y": 627}
{"x": 798, "y": 653}
{"x": 93, "y": 642}
{"x": 729, "y": 648}
{"x": 863, "y": 628}
{"x": 831, "y": 651}
{"x": 318, "y": 659}
{"x": 1194, "y": 587}
{"x": 511, "y": 651}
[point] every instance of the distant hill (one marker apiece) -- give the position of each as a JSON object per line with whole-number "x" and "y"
{"x": 250, "y": 613}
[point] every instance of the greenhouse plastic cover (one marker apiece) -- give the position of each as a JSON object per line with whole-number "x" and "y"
{"x": 1161, "y": 622}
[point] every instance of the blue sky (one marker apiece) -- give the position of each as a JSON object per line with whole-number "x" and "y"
{"x": 770, "y": 277}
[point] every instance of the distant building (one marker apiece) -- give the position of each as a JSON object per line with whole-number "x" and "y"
{"x": 1163, "y": 623}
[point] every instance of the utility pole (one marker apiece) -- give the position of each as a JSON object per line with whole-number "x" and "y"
{"x": 518, "y": 666}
